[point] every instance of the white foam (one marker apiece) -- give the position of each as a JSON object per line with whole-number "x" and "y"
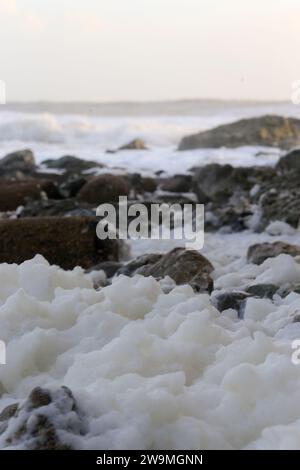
{"x": 153, "y": 370}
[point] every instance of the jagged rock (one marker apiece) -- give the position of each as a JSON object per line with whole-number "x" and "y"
{"x": 104, "y": 188}
{"x": 17, "y": 164}
{"x": 258, "y": 253}
{"x": 47, "y": 420}
{"x": 271, "y": 131}
{"x": 183, "y": 266}
{"x": 71, "y": 164}
{"x": 66, "y": 242}
{"x": 17, "y": 193}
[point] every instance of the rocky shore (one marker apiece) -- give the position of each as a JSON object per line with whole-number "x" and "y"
{"x": 191, "y": 306}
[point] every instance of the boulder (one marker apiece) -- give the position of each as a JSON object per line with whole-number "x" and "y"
{"x": 142, "y": 184}
{"x": 289, "y": 162}
{"x": 14, "y": 194}
{"x": 269, "y": 130}
{"x": 17, "y": 164}
{"x": 71, "y": 164}
{"x": 178, "y": 184}
{"x": 66, "y": 242}
{"x": 183, "y": 266}
{"x": 136, "y": 144}
{"x": 280, "y": 204}
{"x": 104, "y": 188}
{"x": 258, "y": 253}
{"x": 46, "y": 420}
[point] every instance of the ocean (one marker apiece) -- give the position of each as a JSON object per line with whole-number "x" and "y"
{"x": 87, "y": 130}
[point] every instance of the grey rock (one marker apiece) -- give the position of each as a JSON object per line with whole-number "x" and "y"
{"x": 71, "y": 164}
{"x": 263, "y": 290}
{"x": 234, "y": 300}
{"x": 259, "y": 252}
{"x": 183, "y": 266}
{"x": 271, "y": 131}
{"x": 104, "y": 188}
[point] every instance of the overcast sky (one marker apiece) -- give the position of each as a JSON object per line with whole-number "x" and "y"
{"x": 103, "y": 50}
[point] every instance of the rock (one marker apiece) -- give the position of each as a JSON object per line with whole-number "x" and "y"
{"x": 218, "y": 183}
{"x": 258, "y": 253}
{"x": 47, "y": 420}
{"x": 178, "y": 184}
{"x": 14, "y": 194}
{"x": 289, "y": 162}
{"x": 270, "y": 131}
{"x": 136, "y": 144}
{"x": 72, "y": 186}
{"x": 71, "y": 164}
{"x": 104, "y": 188}
{"x": 66, "y": 242}
{"x": 283, "y": 205}
{"x": 142, "y": 184}
{"x": 109, "y": 267}
{"x": 183, "y": 266}
{"x": 234, "y": 300}
{"x": 53, "y": 208}
{"x": 263, "y": 290}
{"x": 17, "y": 163}
{"x": 132, "y": 268}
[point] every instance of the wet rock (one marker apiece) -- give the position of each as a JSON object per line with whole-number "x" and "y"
{"x": 142, "y": 184}
{"x": 17, "y": 164}
{"x": 66, "y": 242}
{"x": 271, "y": 131}
{"x": 52, "y": 208}
{"x": 218, "y": 183}
{"x": 234, "y": 300}
{"x": 263, "y": 290}
{"x": 178, "y": 184}
{"x": 183, "y": 266}
{"x": 47, "y": 420}
{"x": 104, "y": 188}
{"x": 71, "y": 187}
{"x": 109, "y": 267}
{"x": 283, "y": 205}
{"x": 289, "y": 162}
{"x": 136, "y": 144}
{"x": 17, "y": 193}
{"x": 132, "y": 268}
{"x": 258, "y": 253}
{"x": 71, "y": 164}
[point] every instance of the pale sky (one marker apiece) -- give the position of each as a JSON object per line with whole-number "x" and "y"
{"x": 109, "y": 50}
